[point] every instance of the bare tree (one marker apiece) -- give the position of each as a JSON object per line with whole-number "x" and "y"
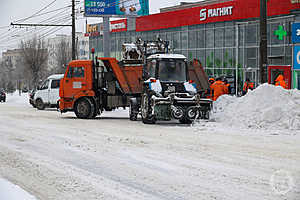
{"x": 7, "y": 76}
{"x": 63, "y": 55}
{"x": 35, "y": 56}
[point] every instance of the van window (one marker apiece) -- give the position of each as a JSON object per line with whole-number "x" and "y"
{"x": 45, "y": 85}
{"x": 55, "y": 84}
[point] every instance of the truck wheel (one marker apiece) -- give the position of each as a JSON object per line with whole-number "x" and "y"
{"x": 133, "y": 110}
{"x": 40, "y": 104}
{"x": 147, "y": 118}
{"x": 84, "y": 108}
{"x": 206, "y": 115}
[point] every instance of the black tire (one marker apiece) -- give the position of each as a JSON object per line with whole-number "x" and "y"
{"x": 133, "y": 111}
{"x": 39, "y": 104}
{"x": 84, "y": 108}
{"x": 206, "y": 115}
{"x": 147, "y": 118}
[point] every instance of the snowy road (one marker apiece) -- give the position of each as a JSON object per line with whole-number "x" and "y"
{"x": 54, "y": 156}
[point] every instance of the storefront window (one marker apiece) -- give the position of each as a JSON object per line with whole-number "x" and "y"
{"x": 241, "y": 35}
{"x": 229, "y": 36}
{"x": 218, "y": 59}
{"x": 252, "y": 60}
{"x": 251, "y": 35}
{"x": 201, "y": 56}
{"x": 201, "y": 39}
{"x": 176, "y": 40}
{"x": 209, "y": 60}
{"x": 219, "y": 37}
{"x": 192, "y": 39}
{"x": 288, "y": 55}
{"x": 209, "y": 38}
{"x": 184, "y": 39}
{"x": 192, "y": 54}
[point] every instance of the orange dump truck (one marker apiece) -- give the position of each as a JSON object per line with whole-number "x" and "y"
{"x": 159, "y": 87}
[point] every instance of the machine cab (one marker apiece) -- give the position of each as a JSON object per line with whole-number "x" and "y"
{"x": 169, "y": 72}
{"x": 167, "y": 67}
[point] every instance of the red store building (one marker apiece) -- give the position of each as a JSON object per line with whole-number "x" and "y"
{"x": 217, "y": 32}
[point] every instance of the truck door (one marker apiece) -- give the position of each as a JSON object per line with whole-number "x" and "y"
{"x": 75, "y": 81}
{"x": 54, "y": 91}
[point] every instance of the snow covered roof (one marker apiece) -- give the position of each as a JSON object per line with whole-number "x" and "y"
{"x": 56, "y": 76}
{"x": 175, "y": 56}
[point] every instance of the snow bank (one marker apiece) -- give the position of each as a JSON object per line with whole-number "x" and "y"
{"x": 9, "y": 191}
{"x": 266, "y": 107}
{"x": 16, "y": 99}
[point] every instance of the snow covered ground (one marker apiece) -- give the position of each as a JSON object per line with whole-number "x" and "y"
{"x": 9, "y": 191}
{"x": 54, "y": 156}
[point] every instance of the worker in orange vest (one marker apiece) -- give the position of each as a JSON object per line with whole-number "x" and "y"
{"x": 248, "y": 85}
{"x": 217, "y": 89}
{"x": 208, "y": 92}
{"x": 228, "y": 87}
{"x": 280, "y": 81}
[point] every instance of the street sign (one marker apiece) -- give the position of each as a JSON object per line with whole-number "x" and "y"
{"x": 296, "y": 32}
{"x": 99, "y": 8}
{"x": 297, "y": 57}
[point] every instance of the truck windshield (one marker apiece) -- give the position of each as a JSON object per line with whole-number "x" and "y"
{"x": 172, "y": 70}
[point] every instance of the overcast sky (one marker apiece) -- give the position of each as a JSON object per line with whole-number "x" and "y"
{"x": 13, "y": 10}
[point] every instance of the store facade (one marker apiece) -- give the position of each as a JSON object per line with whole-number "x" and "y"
{"x": 223, "y": 36}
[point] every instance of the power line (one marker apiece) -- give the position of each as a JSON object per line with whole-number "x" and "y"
{"x": 34, "y": 31}
{"x": 55, "y": 20}
{"x": 37, "y": 12}
{"x": 40, "y": 24}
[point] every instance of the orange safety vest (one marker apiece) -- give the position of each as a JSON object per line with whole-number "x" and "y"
{"x": 227, "y": 88}
{"x": 247, "y": 86}
{"x": 280, "y": 82}
{"x": 217, "y": 89}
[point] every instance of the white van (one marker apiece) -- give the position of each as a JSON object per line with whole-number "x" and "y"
{"x": 47, "y": 94}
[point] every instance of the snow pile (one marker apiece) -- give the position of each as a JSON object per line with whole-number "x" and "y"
{"x": 267, "y": 107}
{"x": 9, "y": 191}
{"x": 16, "y": 99}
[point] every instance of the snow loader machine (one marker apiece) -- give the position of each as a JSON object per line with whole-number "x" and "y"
{"x": 149, "y": 80}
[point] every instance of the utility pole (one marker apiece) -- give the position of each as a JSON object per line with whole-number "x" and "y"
{"x": 106, "y": 36}
{"x": 73, "y": 31}
{"x": 263, "y": 48}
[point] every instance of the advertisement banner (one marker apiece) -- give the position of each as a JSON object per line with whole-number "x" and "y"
{"x": 296, "y": 57}
{"x": 98, "y": 8}
{"x": 296, "y": 32}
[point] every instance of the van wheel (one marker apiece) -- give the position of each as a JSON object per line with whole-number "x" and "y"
{"x": 84, "y": 108}
{"x": 40, "y": 104}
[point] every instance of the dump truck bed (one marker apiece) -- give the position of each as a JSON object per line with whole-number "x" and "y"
{"x": 130, "y": 79}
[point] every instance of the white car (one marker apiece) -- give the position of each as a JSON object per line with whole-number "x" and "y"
{"x": 47, "y": 94}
